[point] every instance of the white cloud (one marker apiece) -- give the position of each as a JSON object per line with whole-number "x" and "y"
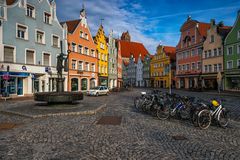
{"x": 117, "y": 17}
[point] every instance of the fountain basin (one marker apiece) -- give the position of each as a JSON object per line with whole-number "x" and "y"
{"x": 58, "y": 97}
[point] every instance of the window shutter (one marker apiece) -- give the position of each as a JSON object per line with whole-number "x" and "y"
{"x": 46, "y": 59}
{"x": 30, "y": 57}
{"x": 8, "y": 54}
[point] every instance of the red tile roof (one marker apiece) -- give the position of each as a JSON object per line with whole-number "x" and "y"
{"x": 203, "y": 28}
{"x": 170, "y": 51}
{"x": 72, "y": 25}
{"x": 132, "y": 48}
{"x": 224, "y": 30}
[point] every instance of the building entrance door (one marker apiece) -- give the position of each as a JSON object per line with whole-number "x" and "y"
{"x": 20, "y": 86}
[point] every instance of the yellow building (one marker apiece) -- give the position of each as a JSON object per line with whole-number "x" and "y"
{"x": 160, "y": 64}
{"x": 102, "y": 50}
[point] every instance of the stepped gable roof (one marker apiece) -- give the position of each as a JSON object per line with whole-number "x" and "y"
{"x": 133, "y": 48}
{"x": 72, "y": 25}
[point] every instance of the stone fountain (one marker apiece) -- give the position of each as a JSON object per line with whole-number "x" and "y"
{"x": 60, "y": 96}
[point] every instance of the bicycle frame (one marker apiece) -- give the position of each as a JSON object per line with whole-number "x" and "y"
{"x": 216, "y": 112}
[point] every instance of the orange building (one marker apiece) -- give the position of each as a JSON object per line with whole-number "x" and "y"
{"x": 83, "y": 61}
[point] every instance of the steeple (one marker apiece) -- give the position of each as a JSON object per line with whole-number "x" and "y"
{"x": 83, "y": 16}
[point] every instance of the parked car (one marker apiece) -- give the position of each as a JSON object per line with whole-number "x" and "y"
{"x": 100, "y": 90}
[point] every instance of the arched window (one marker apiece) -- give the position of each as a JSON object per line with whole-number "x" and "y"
{"x": 84, "y": 84}
{"x": 74, "y": 84}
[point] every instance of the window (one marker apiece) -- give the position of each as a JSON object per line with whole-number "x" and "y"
{"x": 210, "y": 68}
{"x": 238, "y": 63}
{"x": 55, "y": 40}
{"x": 200, "y": 51}
{"x": 86, "y": 36}
{"x": 215, "y": 67}
{"x": 230, "y": 50}
{"x": 80, "y": 49}
{"x": 47, "y": 17}
{"x": 206, "y": 68}
{"x": 193, "y": 39}
{"x": 8, "y": 54}
{"x": 86, "y": 51}
{"x": 30, "y": 12}
{"x": 229, "y": 64}
{"x": 193, "y": 66}
{"x": 193, "y": 52}
{"x": 80, "y": 65}
{"x": 46, "y": 59}
{"x": 219, "y": 51}
{"x": 81, "y": 34}
{"x": 22, "y": 32}
{"x": 215, "y": 52}
{"x": 212, "y": 39}
{"x": 199, "y": 65}
{"x": 209, "y": 53}
{"x": 73, "y": 47}
{"x": 40, "y": 37}
{"x": 92, "y": 53}
{"x": 206, "y": 54}
{"x": 86, "y": 66}
{"x": 188, "y": 67}
{"x": 184, "y": 67}
{"x": 179, "y": 67}
{"x": 219, "y": 67}
{"x": 74, "y": 64}
{"x": 93, "y": 67}
{"x": 29, "y": 57}
{"x": 99, "y": 55}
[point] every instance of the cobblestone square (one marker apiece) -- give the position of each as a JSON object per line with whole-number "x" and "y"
{"x": 139, "y": 136}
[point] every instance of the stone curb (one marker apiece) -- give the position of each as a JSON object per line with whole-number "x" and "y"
{"x": 88, "y": 112}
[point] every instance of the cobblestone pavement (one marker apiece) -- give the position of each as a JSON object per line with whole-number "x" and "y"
{"x": 139, "y": 136}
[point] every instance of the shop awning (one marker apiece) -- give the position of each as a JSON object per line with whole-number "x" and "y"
{"x": 15, "y": 74}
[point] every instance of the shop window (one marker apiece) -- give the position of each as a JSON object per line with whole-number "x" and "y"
{"x": 84, "y": 84}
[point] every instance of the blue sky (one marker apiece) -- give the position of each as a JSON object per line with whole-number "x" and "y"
{"x": 148, "y": 21}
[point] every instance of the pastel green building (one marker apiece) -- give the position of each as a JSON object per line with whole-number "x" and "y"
{"x": 232, "y": 57}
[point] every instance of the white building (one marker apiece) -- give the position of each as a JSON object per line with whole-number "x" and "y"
{"x": 139, "y": 72}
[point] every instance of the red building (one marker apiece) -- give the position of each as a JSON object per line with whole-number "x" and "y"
{"x": 189, "y": 54}
{"x": 119, "y": 67}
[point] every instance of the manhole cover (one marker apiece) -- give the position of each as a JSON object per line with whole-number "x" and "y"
{"x": 4, "y": 126}
{"x": 110, "y": 120}
{"x": 179, "y": 137}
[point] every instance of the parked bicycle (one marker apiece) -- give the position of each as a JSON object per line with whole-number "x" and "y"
{"x": 213, "y": 112}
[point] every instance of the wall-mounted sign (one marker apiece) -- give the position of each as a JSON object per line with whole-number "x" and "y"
{"x": 24, "y": 68}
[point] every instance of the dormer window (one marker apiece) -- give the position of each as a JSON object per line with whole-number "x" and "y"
{"x": 30, "y": 12}
{"x": 47, "y": 17}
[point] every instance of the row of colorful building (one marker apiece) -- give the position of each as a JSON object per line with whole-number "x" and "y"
{"x": 207, "y": 56}
{"x": 31, "y": 37}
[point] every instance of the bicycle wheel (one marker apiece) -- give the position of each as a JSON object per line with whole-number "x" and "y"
{"x": 204, "y": 119}
{"x": 184, "y": 113}
{"x": 163, "y": 112}
{"x": 223, "y": 118}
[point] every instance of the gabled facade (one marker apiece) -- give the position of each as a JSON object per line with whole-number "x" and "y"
{"x": 30, "y": 36}
{"x": 119, "y": 67}
{"x": 112, "y": 61}
{"x": 232, "y": 57}
{"x": 102, "y": 50}
{"x": 162, "y": 65}
{"x": 139, "y": 72}
{"x": 125, "y": 73}
{"x": 131, "y": 71}
{"x": 212, "y": 57}
{"x": 83, "y": 61}
{"x": 189, "y": 54}
{"x": 146, "y": 71}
